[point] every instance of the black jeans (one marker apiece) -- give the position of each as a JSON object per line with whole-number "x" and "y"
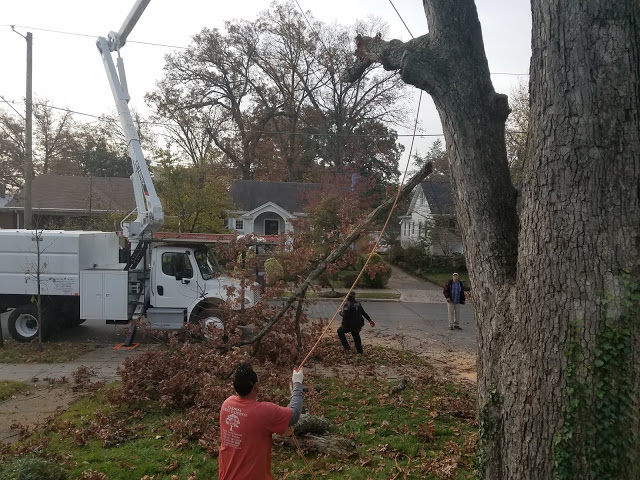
{"x": 356, "y": 339}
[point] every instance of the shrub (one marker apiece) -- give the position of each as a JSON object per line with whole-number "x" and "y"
{"x": 32, "y": 468}
{"x": 377, "y": 274}
{"x": 274, "y": 270}
{"x": 416, "y": 260}
{"x": 327, "y": 279}
{"x": 348, "y": 278}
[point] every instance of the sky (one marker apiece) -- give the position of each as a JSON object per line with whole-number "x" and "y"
{"x": 68, "y": 70}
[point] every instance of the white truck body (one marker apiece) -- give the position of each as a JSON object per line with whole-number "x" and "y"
{"x": 80, "y": 277}
{"x": 63, "y": 255}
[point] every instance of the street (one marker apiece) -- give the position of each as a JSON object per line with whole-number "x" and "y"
{"x": 416, "y": 326}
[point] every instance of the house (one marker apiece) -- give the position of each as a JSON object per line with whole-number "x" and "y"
{"x": 431, "y": 217}
{"x": 63, "y": 199}
{"x": 267, "y": 208}
{"x": 6, "y": 219}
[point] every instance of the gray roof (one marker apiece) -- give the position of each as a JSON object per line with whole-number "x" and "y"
{"x": 249, "y": 194}
{"x": 61, "y": 193}
{"x": 439, "y": 195}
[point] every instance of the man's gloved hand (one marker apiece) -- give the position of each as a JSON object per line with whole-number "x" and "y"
{"x": 372, "y": 323}
{"x": 297, "y": 376}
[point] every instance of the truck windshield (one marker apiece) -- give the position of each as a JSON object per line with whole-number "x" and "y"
{"x": 207, "y": 263}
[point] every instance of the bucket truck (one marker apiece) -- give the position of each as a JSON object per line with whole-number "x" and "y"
{"x": 77, "y": 274}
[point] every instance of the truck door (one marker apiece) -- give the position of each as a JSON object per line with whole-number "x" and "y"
{"x": 176, "y": 279}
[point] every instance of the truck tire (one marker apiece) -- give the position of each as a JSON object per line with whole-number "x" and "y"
{"x": 208, "y": 315}
{"x": 23, "y": 323}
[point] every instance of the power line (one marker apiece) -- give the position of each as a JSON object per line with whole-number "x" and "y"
{"x": 163, "y": 45}
{"x": 270, "y": 132}
{"x": 4, "y": 100}
{"x": 401, "y": 19}
{"x": 62, "y": 32}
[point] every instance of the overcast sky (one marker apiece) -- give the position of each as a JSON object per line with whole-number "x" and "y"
{"x": 68, "y": 70}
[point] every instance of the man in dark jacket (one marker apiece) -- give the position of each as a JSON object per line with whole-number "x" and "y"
{"x": 454, "y": 293}
{"x": 353, "y": 316}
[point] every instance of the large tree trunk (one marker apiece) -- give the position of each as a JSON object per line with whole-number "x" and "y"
{"x": 547, "y": 406}
{"x": 579, "y": 229}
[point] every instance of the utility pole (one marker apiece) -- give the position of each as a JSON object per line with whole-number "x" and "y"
{"x": 28, "y": 133}
{"x": 28, "y": 161}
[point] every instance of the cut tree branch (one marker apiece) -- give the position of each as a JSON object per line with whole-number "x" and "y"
{"x": 417, "y": 60}
{"x": 337, "y": 252}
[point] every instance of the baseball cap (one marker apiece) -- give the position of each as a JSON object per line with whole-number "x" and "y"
{"x": 455, "y": 274}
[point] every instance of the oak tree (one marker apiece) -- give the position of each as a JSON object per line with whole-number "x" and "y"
{"x": 555, "y": 284}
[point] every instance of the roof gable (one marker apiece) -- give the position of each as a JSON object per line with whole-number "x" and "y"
{"x": 438, "y": 194}
{"x": 249, "y": 194}
{"x": 71, "y": 193}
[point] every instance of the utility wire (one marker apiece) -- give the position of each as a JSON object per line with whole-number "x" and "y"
{"x": 163, "y": 45}
{"x": 62, "y": 32}
{"x": 401, "y": 19}
{"x": 12, "y": 107}
{"x": 265, "y": 132}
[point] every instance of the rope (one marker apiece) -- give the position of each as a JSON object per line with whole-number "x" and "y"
{"x": 293, "y": 435}
{"x": 300, "y": 452}
{"x": 374, "y": 247}
{"x": 393, "y": 207}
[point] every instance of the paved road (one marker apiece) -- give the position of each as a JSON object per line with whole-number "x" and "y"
{"x": 414, "y": 325}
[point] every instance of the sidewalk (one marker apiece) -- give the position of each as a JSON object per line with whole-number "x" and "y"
{"x": 103, "y": 362}
{"x": 410, "y": 289}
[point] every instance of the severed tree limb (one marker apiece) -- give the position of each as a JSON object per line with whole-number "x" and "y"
{"x": 338, "y": 251}
{"x": 419, "y": 60}
{"x": 298, "y": 315}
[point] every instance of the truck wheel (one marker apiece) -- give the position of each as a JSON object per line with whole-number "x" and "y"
{"x": 23, "y": 323}
{"x": 208, "y": 316}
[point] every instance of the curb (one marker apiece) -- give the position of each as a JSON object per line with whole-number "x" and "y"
{"x": 338, "y": 299}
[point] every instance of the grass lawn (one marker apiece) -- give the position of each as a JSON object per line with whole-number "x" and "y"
{"x": 427, "y": 431}
{"x": 8, "y": 388}
{"x": 360, "y": 295}
{"x": 14, "y": 352}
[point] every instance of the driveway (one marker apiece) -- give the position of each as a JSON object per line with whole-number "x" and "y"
{"x": 414, "y": 289}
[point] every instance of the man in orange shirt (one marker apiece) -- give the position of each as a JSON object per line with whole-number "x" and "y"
{"x": 246, "y": 426}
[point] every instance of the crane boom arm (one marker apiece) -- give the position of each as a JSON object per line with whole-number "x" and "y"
{"x": 131, "y": 21}
{"x": 150, "y": 216}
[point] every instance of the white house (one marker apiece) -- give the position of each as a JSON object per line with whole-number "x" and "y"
{"x": 431, "y": 215}
{"x": 267, "y": 208}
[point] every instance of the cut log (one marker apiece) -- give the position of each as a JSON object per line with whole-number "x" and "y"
{"x": 328, "y": 444}
{"x": 311, "y": 424}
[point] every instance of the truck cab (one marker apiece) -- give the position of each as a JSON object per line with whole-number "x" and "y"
{"x": 185, "y": 281}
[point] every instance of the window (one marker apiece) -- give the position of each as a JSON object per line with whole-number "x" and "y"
{"x": 419, "y": 228}
{"x": 413, "y": 228}
{"x": 271, "y": 227}
{"x": 207, "y": 263}
{"x": 177, "y": 265}
{"x": 239, "y": 225}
